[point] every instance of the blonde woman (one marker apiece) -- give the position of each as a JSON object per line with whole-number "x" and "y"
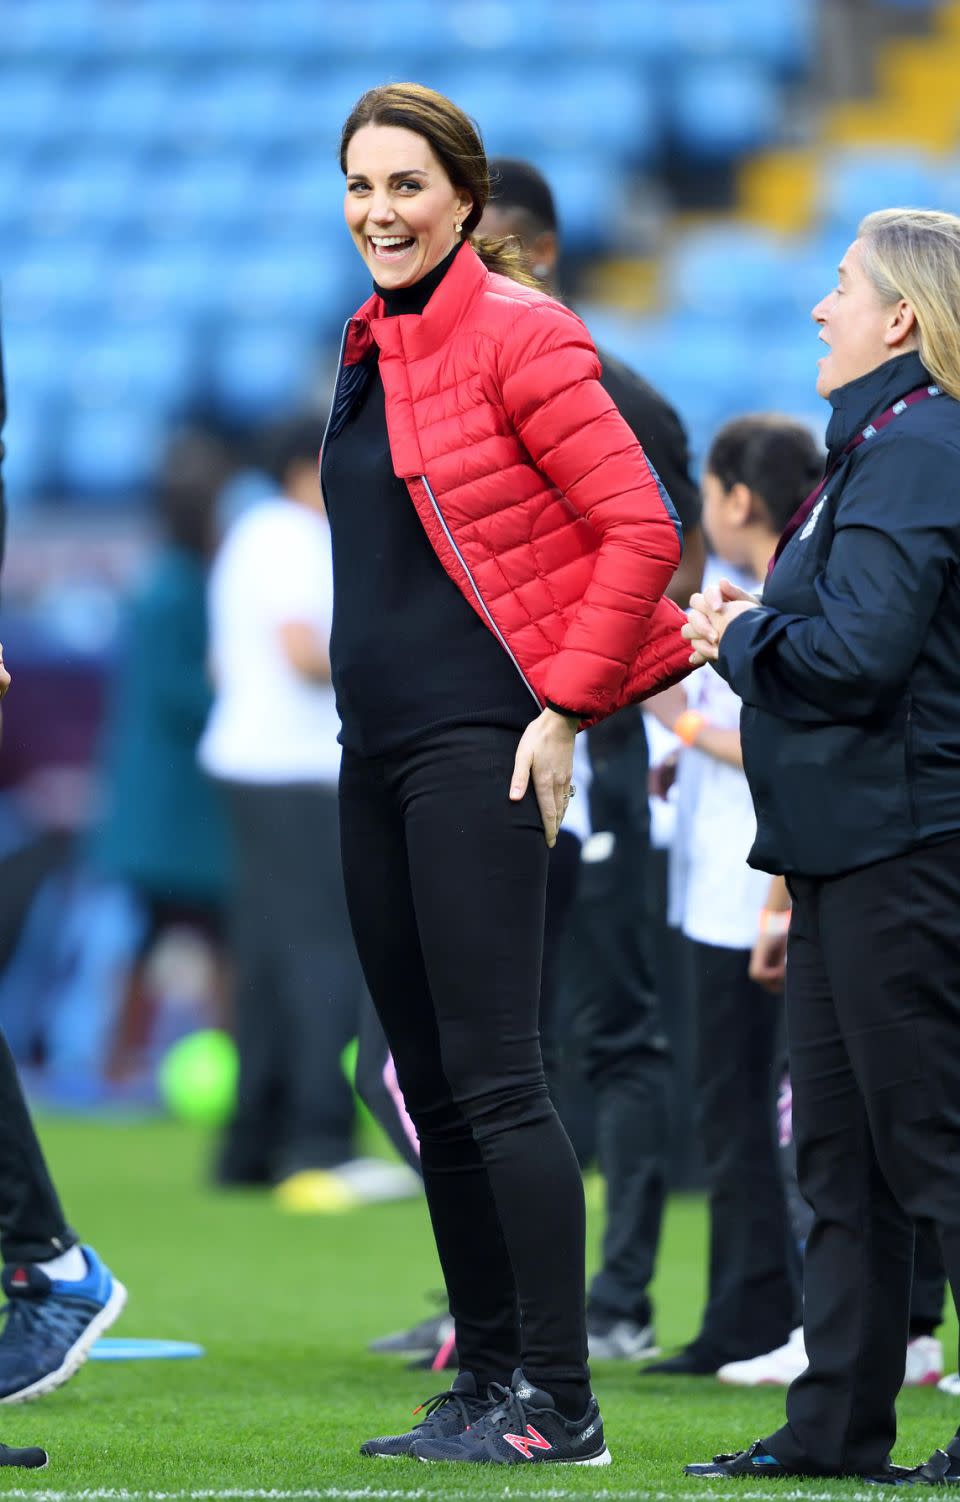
{"x": 849, "y": 671}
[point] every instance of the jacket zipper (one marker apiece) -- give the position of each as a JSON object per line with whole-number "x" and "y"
{"x": 473, "y": 585}
{"x": 333, "y": 401}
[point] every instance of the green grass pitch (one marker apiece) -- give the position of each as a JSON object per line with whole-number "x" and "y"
{"x": 285, "y": 1306}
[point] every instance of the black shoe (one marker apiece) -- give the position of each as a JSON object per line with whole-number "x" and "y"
{"x": 757, "y": 1461}
{"x": 693, "y": 1361}
{"x": 447, "y": 1414}
{"x": 523, "y": 1425}
{"x": 32, "y": 1458}
{"x": 942, "y": 1469}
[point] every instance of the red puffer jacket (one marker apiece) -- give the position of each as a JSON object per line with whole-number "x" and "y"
{"x": 530, "y": 486}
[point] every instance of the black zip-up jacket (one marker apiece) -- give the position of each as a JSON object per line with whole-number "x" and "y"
{"x": 850, "y": 671}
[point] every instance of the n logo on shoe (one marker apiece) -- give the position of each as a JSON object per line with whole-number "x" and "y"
{"x": 529, "y": 1442}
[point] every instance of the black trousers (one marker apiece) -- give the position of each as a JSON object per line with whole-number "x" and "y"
{"x": 753, "y": 1295}
{"x": 297, "y": 983}
{"x": 445, "y": 882}
{"x": 873, "y": 1009}
{"x": 376, "y": 1087}
{"x": 32, "y": 1225}
{"x": 625, "y": 1056}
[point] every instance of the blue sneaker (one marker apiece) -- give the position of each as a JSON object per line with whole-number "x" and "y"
{"x": 51, "y": 1325}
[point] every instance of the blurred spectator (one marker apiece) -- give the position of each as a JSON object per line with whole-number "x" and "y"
{"x": 608, "y": 964}
{"x": 162, "y": 833}
{"x": 758, "y": 471}
{"x": 271, "y": 743}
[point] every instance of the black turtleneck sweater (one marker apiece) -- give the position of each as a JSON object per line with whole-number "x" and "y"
{"x": 408, "y": 654}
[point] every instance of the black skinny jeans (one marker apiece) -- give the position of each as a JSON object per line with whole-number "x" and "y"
{"x": 445, "y": 882}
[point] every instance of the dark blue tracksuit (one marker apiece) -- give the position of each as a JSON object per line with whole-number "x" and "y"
{"x": 850, "y": 677}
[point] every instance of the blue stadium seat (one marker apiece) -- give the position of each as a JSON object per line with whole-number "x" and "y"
{"x": 200, "y": 190}
{"x": 182, "y": 279}
{"x": 138, "y": 364}
{"x": 778, "y": 35}
{"x": 29, "y": 467}
{"x": 727, "y": 270}
{"x": 47, "y": 276}
{"x": 111, "y": 452}
{"x": 260, "y": 371}
{"x": 303, "y": 190}
{"x": 127, "y": 105}
{"x": 91, "y": 191}
{"x": 37, "y": 358}
{"x": 854, "y": 183}
{"x": 720, "y": 108}
{"x": 589, "y": 192}
{"x": 34, "y": 106}
{"x": 596, "y": 106}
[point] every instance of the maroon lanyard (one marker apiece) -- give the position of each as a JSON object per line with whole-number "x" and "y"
{"x": 922, "y": 394}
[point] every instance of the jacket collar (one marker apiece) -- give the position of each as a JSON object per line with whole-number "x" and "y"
{"x": 417, "y": 334}
{"x": 856, "y": 403}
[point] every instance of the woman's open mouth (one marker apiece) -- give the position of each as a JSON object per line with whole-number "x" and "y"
{"x": 391, "y": 247}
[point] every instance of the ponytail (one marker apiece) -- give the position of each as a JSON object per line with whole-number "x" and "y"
{"x": 504, "y": 255}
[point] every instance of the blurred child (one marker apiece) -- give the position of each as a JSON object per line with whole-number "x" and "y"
{"x": 758, "y": 471}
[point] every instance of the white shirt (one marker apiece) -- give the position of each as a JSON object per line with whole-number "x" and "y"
{"x": 716, "y": 897}
{"x": 269, "y": 724}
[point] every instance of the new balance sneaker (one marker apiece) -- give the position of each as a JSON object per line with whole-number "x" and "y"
{"x": 51, "y": 1325}
{"x": 774, "y": 1369}
{"x": 758, "y": 1462}
{"x": 523, "y": 1425}
{"x": 924, "y": 1362}
{"x": 449, "y": 1413}
{"x": 620, "y": 1340}
{"x": 32, "y": 1458}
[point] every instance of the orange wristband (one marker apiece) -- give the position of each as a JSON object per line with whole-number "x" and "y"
{"x": 687, "y": 727}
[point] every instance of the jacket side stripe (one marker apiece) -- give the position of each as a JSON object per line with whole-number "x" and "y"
{"x": 473, "y": 585}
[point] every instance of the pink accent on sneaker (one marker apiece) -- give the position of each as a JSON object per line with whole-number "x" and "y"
{"x": 443, "y": 1355}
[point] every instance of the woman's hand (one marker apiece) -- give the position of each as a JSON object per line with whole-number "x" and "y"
{"x": 545, "y": 753}
{"x": 709, "y": 616}
{"x": 768, "y": 961}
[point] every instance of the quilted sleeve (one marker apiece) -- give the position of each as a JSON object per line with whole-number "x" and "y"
{"x": 549, "y": 380}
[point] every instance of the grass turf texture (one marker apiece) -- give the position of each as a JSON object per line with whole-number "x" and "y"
{"x": 285, "y": 1306}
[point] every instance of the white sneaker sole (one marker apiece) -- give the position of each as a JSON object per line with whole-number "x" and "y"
{"x": 77, "y": 1353}
{"x": 604, "y": 1458}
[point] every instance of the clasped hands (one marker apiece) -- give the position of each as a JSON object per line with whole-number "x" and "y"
{"x": 709, "y": 616}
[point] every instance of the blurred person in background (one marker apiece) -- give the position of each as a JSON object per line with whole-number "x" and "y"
{"x": 498, "y": 538}
{"x": 849, "y": 670}
{"x": 271, "y": 744}
{"x": 608, "y": 966}
{"x": 758, "y": 470}
{"x": 61, "y": 1296}
{"x": 161, "y": 831}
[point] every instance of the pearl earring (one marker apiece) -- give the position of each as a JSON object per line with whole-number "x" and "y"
{"x": 457, "y": 227}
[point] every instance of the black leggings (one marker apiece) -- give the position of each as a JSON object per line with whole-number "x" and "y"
{"x": 445, "y": 882}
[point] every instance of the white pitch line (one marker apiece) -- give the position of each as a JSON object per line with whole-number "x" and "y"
{"x": 780, "y": 1493}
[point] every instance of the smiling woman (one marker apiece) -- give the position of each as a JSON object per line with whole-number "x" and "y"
{"x": 501, "y": 548}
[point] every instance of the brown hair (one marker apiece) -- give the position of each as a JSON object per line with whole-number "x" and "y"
{"x": 456, "y": 142}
